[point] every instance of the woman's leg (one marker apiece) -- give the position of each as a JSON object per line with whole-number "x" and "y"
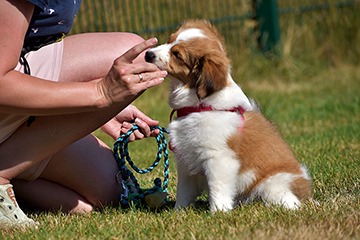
{"x": 49, "y": 196}
{"x": 76, "y": 179}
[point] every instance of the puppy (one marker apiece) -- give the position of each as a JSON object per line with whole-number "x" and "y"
{"x": 221, "y": 141}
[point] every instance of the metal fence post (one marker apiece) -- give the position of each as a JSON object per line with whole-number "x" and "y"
{"x": 267, "y": 17}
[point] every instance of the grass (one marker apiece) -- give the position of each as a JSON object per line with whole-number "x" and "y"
{"x": 312, "y": 93}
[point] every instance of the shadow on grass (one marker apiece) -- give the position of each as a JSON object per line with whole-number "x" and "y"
{"x": 199, "y": 206}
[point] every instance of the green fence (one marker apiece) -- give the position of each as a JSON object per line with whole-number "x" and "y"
{"x": 254, "y": 23}
{"x": 160, "y": 17}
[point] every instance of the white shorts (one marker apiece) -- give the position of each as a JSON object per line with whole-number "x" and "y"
{"x": 46, "y": 64}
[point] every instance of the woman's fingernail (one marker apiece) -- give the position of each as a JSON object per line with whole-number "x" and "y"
{"x": 153, "y": 40}
{"x": 138, "y": 121}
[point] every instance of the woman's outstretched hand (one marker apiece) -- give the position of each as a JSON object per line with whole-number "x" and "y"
{"x": 127, "y": 78}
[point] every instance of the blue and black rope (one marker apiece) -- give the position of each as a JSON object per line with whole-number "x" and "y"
{"x": 135, "y": 194}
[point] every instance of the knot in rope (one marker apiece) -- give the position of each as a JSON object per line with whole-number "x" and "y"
{"x": 133, "y": 193}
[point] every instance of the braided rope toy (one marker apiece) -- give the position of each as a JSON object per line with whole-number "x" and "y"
{"x": 133, "y": 193}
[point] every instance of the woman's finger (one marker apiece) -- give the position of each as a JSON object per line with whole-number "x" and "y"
{"x": 135, "y": 51}
{"x": 145, "y": 129}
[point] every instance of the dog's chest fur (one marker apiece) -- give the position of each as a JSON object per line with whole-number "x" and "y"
{"x": 201, "y": 136}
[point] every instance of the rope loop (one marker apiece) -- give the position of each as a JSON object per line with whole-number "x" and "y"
{"x": 133, "y": 193}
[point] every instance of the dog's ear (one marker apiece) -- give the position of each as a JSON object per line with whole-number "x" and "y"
{"x": 210, "y": 73}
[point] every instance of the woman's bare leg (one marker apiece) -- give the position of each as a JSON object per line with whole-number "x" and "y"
{"x": 75, "y": 180}
{"x": 49, "y": 196}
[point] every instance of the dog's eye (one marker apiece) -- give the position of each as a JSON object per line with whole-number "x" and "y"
{"x": 176, "y": 54}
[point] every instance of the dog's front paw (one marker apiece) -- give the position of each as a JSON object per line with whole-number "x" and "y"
{"x": 221, "y": 203}
{"x": 220, "y": 207}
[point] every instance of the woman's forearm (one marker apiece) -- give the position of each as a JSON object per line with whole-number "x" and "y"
{"x": 23, "y": 94}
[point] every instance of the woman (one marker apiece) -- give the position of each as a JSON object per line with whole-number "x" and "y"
{"x": 54, "y": 92}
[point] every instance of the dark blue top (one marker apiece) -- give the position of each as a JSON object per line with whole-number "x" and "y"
{"x": 51, "y": 21}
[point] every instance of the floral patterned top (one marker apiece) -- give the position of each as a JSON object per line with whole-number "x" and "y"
{"x": 51, "y": 21}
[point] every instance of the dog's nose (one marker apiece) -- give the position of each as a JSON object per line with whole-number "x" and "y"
{"x": 149, "y": 56}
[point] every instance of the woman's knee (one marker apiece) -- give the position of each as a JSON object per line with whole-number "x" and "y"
{"x": 84, "y": 51}
{"x": 132, "y": 37}
{"x": 120, "y": 42}
{"x": 135, "y": 39}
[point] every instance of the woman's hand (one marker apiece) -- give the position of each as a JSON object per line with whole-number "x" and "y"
{"x": 127, "y": 78}
{"x": 122, "y": 123}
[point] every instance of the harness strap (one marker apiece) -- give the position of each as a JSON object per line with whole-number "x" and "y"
{"x": 202, "y": 108}
{"x": 27, "y": 71}
{"x": 181, "y": 112}
{"x": 25, "y": 63}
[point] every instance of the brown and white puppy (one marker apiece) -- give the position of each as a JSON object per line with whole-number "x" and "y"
{"x": 221, "y": 142}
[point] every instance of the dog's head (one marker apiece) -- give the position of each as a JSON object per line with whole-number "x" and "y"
{"x": 194, "y": 55}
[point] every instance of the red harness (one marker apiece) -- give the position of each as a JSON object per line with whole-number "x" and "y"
{"x": 202, "y": 108}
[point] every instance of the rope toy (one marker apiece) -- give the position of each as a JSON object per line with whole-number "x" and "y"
{"x": 132, "y": 192}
